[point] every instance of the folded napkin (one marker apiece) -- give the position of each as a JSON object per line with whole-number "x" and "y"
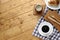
{"x": 54, "y": 36}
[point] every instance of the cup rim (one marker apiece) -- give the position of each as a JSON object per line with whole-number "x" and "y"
{"x": 39, "y": 8}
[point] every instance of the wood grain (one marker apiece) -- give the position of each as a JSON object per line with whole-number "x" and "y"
{"x": 17, "y": 21}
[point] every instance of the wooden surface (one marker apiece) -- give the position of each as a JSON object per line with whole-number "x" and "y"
{"x": 17, "y": 21}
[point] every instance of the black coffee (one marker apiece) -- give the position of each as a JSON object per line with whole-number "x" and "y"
{"x": 45, "y": 28}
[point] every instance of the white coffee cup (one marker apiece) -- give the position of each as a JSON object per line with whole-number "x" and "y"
{"x": 45, "y": 28}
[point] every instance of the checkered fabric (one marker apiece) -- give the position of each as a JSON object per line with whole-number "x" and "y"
{"x": 58, "y": 11}
{"x": 54, "y": 36}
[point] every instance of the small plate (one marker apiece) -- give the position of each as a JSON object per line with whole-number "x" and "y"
{"x": 52, "y": 7}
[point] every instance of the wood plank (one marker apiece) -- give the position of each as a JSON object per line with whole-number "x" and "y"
{"x": 12, "y": 31}
{"x": 9, "y": 33}
{"x": 25, "y": 36}
{"x": 18, "y": 11}
{"x": 29, "y": 23}
{"x": 13, "y": 4}
{"x": 4, "y": 1}
{"x": 8, "y": 23}
{"x": 17, "y": 21}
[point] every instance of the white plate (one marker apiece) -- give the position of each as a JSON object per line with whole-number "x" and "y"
{"x": 50, "y": 29}
{"x": 51, "y": 7}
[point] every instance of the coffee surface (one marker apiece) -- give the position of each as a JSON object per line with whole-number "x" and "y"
{"x": 45, "y": 28}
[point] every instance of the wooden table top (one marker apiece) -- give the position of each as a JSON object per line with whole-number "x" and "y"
{"x": 17, "y": 21}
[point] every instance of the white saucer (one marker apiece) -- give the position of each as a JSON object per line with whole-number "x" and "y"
{"x": 51, "y": 7}
{"x": 50, "y": 29}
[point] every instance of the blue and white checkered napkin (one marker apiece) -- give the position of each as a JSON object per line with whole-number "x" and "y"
{"x": 54, "y": 36}
{"x": 59, "y": 11}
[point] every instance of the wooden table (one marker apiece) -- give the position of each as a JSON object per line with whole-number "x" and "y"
{"x": 17, "y": 21}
